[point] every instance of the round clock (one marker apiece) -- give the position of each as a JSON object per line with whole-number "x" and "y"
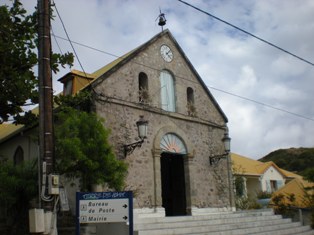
{"x": 166, "y": 53}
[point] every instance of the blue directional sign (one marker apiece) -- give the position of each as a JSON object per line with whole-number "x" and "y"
{"x": 104, "y": 207}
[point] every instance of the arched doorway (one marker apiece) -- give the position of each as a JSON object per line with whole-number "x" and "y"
{"x": 173, "y": 175}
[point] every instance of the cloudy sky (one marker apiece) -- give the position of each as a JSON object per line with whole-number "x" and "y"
{"x": 266, "y": 94}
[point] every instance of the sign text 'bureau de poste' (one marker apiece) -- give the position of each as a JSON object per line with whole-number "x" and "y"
{"x": 104, "y": 207}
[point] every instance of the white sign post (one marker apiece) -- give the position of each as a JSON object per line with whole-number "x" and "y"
{"x": 104, "y": 207}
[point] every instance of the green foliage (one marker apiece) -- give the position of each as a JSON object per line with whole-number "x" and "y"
{"x": 294, "y": 159}
{"x": 239, "y": 186}
{"x": 18, "y": 43}
{"x": 83, "y": 150}
{"x": 282, "y": 204}
{"x": 263, "y": 195}
{"x": 18, "y": 186}
{"x": 80, "y": 101}
{"x": 309, "y": 174}
{"x": 247, "y": 203}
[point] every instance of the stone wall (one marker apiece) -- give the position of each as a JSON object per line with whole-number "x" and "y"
{"x": 202, "y": 134}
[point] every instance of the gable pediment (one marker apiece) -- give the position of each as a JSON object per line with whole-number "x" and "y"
{"x": 148, "y": 58}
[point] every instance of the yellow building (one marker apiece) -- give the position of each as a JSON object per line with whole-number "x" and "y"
{"x": 259, "y": 176}
{"x": 267, "y": 176}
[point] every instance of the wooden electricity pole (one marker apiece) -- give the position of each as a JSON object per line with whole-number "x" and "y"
{"x": 46, "y": 136}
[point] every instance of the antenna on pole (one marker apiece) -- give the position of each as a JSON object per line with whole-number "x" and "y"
{"x": 162, "y": 19}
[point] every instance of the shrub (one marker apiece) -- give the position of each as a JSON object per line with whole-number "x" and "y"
{"x": 282, "y": 204}
{"x": 18, "y": 186}
{"x": 263, "y": 195}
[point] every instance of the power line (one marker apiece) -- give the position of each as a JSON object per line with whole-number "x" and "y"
{"x": 70, "y": 41}
{"x": 89, "y": 47}
{"x": 56, "y": 41}
{"x": 246, "y": 32}
{"x": 261, "y": 103}
{"x": 211, "y": 87}
{"x": 54, "y": 4}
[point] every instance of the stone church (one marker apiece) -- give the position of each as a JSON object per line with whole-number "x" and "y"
{"x": 181, "y": 167}
{"x": 172, "y": 172}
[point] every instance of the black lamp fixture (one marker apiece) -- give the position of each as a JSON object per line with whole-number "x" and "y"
{"x": 142, "y": 125}
{"x": 213, "y": 160}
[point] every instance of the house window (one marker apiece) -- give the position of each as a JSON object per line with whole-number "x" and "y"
{"x": 68, "y": 87}
{"x": 190, "y": 101}
{"x": 143, "y": 87}
{"x": 273, "y": 185}
{"x": 167, "y": 91}
{"x": 18, "y": 156}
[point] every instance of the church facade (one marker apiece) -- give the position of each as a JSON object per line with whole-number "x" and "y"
{"x": 171, "y": 173}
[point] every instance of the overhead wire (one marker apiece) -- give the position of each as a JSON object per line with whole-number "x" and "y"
{"x": 56, "y": 41}
{"x": 211, "y": 87}
{"x": 263, "y": 104}
{"x": 70, "y": 41}
{"x": 246, "y": 32}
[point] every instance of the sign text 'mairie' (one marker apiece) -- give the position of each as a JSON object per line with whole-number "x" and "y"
{"x": 108, "y": 210}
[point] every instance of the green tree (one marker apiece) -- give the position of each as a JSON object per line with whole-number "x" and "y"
{"x": 309, "y": 174}
{"x": 83, "y": 150}
{"x": 18, "y": 186}
{"x": 18, "y": 43}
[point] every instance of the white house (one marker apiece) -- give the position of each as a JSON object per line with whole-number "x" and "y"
{"x": 259, "y": 176}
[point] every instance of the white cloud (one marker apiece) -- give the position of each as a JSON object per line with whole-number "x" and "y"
{"x": 224, "y": 57}
{"x": 246, "y": 81}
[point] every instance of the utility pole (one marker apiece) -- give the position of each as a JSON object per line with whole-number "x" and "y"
{"x": 46, "y": 136}
{"x": 43, "y": 220}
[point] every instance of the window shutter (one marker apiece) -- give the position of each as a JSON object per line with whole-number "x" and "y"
{"x": 167, "y": 91}
{"x": 279, "y": 184}
{"x": 268, "y": 187}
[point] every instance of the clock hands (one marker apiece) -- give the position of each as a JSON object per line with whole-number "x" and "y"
{"x": 169, "y": 52}
{"x": 166, "y": 53}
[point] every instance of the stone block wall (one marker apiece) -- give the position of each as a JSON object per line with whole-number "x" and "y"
{"x": 202, "y": 134}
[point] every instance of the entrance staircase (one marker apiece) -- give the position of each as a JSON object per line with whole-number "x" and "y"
{"x": 242, "y": 223}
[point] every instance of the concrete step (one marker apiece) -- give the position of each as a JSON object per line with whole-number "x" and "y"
{"x": 233, "y": 229}
{"x": 297, "y": 230}
{"x": 237, "y": 223}
{"x": 194, "y": 222}
{"x": 212, "y": 216}
{"x": 309, "y": 232}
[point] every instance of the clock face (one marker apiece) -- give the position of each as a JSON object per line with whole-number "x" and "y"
{"x": 166, "y": 53}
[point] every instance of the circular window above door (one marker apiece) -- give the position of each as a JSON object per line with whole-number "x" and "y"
{"x": 173, "y": 144}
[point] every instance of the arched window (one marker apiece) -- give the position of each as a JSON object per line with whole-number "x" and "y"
{"x": 190, "y": 95}
{"x": 18, "y": 156}
{"x": 167, "y": 91}
{"x": 173, "y": 144}
{"x": 143, "y": 87}
{"x": 190, "y": 101}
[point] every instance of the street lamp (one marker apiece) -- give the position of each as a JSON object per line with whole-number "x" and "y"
{"x": 142, "y": 125}
{"x": 227, "y": 141}
{"x": 213, "y": 160}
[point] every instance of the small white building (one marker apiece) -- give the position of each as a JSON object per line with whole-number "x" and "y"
{"x": 259, "y": 176}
